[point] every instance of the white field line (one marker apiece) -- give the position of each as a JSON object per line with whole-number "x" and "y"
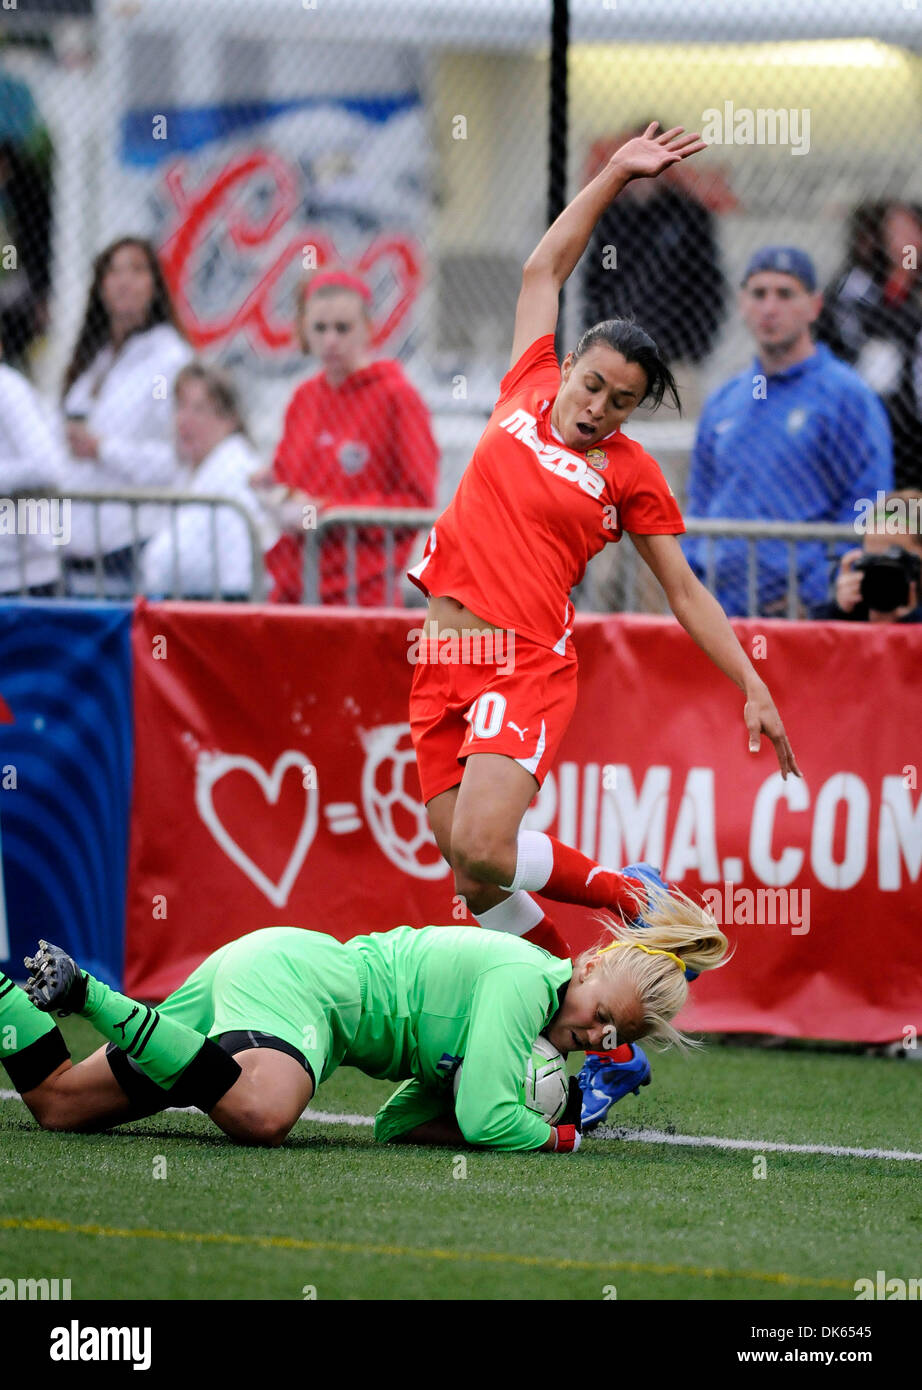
{"x": 714, "y": 1141}
{"x": 640, "y": 1136}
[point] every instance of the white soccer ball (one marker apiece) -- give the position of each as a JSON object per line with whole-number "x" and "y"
{"x": 546, "y": 1084}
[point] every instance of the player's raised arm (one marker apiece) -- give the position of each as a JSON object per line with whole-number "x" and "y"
{"x": 558, "y": 251}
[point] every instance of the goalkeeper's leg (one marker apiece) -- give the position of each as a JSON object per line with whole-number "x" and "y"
{"x": 85, "y": 1098}
{"x": 260, "y": 1108}
{"x": 59, "y": 1094}
{"x": 269, "y": 1096}
{"x": 31, "y": 1045}
{"x": 160, "y": 1061}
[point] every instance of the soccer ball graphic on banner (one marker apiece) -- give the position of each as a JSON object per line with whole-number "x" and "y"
{"x": 390, "y": 795}
{"x": 546, "y": 1083}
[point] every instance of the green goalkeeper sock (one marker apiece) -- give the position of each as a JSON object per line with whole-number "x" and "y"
{"x": 195, "y": 1070}
{"x": 31, "y": 1045}
{"x": 162, "y": 1047}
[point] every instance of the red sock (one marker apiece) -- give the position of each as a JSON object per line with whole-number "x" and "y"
{"x": 578, "y": 879}
{"x": 546, "y": 934}
{"x": 624, "y": 1053}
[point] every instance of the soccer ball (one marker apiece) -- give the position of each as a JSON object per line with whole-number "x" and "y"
{"x": 546, "y": 1085}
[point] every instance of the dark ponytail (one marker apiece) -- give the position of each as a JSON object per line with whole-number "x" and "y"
{"x": 635, "y": 345}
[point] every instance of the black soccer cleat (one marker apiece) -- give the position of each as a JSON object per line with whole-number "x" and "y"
{"x": 55, "y": 981}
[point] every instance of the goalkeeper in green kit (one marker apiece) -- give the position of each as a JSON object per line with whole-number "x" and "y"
{"x": 265, "y": 1019}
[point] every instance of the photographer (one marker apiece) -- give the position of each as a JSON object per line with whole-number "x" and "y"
{"x": 880, "y": 583}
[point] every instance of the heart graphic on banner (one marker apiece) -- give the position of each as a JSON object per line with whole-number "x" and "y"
{"x": 211, "y": 767}
{"x": 218, "y": 207}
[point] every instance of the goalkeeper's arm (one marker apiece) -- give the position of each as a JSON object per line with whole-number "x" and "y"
{"x": 419, "y": 1114}
{"x": 413, "y": 1111}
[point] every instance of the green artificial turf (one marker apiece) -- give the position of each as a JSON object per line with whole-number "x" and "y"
{"x": 333, "y": 1212}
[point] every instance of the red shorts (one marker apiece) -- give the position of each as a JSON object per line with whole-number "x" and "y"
{"x": 520, "y": 708}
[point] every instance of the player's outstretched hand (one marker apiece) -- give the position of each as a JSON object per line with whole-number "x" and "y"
{"x": 649, "y": 154}
{"x": 762, "y": 718}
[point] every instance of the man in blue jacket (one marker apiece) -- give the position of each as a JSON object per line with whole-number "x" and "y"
{"x": 797, "y": 436}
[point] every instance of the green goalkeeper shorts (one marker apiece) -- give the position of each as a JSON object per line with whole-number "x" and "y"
{"x": 301, "y": 986}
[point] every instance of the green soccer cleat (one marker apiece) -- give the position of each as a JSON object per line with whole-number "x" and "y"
{"x": 55, "y": 981}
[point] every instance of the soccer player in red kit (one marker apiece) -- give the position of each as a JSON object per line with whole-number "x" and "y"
{"x": 357, "y": 433}
{"x": 550, "y": 482}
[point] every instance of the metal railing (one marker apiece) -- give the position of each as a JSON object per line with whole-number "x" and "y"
{"x": 135, "y": 498}
{"x": 793, "y": 533}
{"x": 416, "y": 518}
{"x": 390, "y": 519}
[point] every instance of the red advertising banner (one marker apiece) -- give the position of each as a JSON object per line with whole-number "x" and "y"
{"x": 275, "y": 783}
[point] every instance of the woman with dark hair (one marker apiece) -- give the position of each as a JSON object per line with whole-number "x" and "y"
{"x": 551, "y": 481}
{"x": 872, "y": 319}
{"x": 118, "y": 404}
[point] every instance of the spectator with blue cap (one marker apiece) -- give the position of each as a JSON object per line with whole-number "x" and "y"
{"x": 795, "y": 437}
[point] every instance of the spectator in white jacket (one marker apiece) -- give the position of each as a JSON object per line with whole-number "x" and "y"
{"x": 118, "y": 407}
{"x": 32, "y": 530}
{"x": 205, "y": 551}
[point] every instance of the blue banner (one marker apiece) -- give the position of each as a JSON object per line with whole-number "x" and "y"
{"x": 65, "y": 782}
{"x": 193, "y": 127}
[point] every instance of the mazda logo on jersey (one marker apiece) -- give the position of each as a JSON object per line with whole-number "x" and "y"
{"x": 352, "y": 457}
{"x": 562, "y": 462}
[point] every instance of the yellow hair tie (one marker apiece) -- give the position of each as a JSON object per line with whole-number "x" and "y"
{"x": 650, "y": 950}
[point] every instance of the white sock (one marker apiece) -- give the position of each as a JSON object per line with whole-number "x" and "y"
{"x": 534, "y": 863}
{"x": 516, "y": 915}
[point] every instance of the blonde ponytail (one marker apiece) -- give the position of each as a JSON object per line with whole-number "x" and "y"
{"x": 678, "y": 933}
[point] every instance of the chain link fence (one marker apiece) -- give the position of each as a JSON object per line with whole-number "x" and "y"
{"x": 254, "y": 147}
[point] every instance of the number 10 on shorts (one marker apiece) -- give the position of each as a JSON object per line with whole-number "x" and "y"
{"x": 486, "y": 715}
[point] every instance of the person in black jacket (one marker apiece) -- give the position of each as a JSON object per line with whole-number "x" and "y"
{"x": 872, "y": 319}
{"x": 654, "y": 257}
{"x": 25, "y": 211}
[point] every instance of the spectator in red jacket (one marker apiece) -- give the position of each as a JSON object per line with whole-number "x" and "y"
{"x": 357, "y": 433}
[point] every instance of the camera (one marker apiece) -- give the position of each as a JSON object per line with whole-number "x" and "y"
{"x": 886, "y": 578}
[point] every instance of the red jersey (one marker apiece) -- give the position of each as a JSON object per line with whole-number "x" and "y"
{"x": 529, "y": 513}
{"x": 367, "y": 442}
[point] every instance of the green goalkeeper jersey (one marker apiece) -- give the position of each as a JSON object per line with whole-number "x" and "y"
{"x": 408, "y": 1004}
{"x": 437, "y": 996}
